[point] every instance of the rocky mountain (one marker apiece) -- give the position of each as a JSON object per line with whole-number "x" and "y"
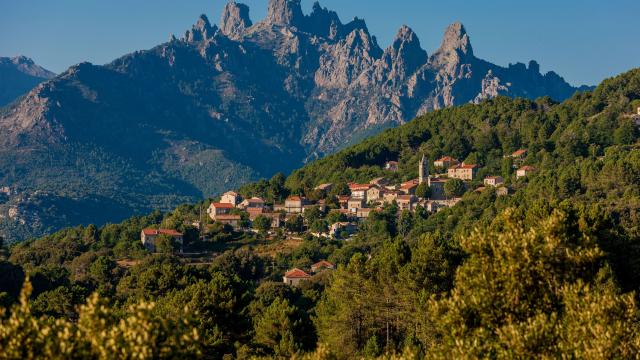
{"x": 224, "y": 105}
{"x": 18, "y": 75}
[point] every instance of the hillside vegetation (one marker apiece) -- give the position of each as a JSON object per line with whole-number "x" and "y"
{"x": 548, "y": 271}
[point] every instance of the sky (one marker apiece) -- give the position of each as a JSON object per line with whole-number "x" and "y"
{"x": 585, "y": 41}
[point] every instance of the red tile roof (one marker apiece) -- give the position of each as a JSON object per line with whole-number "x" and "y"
{"x": 527, "y": 168}
{"x": 447, "y": 158}
{"x": 161, "y": 231}
{"x": 410, "y": 184}
{"x": 222, "y": 205}
{"x": 322, "y": 263}
{"x": 294, "y": 198}
{"x": 297, "y": 274}
{"x": 519, "y": 153}
{"x": 356, "y": 187}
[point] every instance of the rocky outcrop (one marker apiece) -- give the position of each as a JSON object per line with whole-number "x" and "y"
{"x": 235, "y": 19}
{"x": 223, "y": 106}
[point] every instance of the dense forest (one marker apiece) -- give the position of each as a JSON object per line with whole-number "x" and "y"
{"x": 550, "y": 271}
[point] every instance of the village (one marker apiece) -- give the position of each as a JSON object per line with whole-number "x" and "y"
{"x": 429, "y": 192}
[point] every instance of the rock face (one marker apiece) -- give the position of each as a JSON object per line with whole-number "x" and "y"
{"x": 225, "y": 105}
{"x": 235, "y": 19}
{"x": 19, "y": 75}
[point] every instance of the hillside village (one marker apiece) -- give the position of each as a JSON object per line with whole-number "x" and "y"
{"x": 347, "y": 211}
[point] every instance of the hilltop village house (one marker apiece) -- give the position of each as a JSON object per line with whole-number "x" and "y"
{"x": 217, "y": 209}
{"x": 493, "y": 181}
{"x": 463, "y": 171}
{"x": 445, "y": 162}
{"x": 295, "y": 276}
{"x": 149, "y": 237}
{"x": 231, "y": 197}
{"x": 525, "y": 171}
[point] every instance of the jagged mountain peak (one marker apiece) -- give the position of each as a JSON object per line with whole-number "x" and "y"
{"x": 456, "y": 40}
{"x": 235, "y": 18}
{"x": 201, "y": 30}
{"x": 285, "y": 12}
{"x": 403, "y": 57}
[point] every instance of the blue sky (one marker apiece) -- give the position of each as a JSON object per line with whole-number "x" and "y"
{"x": 584, "y": 41}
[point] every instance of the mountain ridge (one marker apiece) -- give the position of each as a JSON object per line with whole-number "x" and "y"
{"x": 18, "y": 75}
{"x": 227, "y": 104}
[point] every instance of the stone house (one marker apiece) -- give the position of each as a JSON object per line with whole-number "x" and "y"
{"x": 217, "y": 209}
{"x": 525, "y": 171}
{"x": 409, "y": 187}
{"x": 149, "y": 237}
{"x": 295, "y": 276}
{"x": 359, "y": 191}
{"x": 445, "y": 162}
{"x": 437, "y": 187}
{"x": 463, "y": 171}
{"x": 343, "y": 200}
{"x": 363, "y": 213}
{"x": 354, "y": 204}
{"x": 374, "y": 193}
{"x": 493, "y": 181}
{"x": 406, "y": 202}
{"x": 231, "y": 220}
{"x": 295, "y": 204}
{"x": 322, "y": 265}
{"x": 231, "y": 197}
{"x": 388, "y": 196}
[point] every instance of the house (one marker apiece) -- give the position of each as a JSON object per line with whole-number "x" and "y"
{"x": 380, "y": 182}
{"x": 324, "y": 187}
{"x": 433, "y": 206}
{"x": 445, "y": 162}
{"x": 322, "y": 265}
{"x": 363, "y": 213}
{"x": 254, "y": 202}
{"x": 437, "y": 187}
{"x": 354, "y": 204}
{"x": 335, "y": 230}
{"x": 149, "y": 237}
{"x": 409, "y": 187}
{"x": 217, "y": 209}
{"x": 343, "y": 201}
{"x": 519, "y": 154}
{"x": 359, "y": 191}
{"x": 295, "y": 204}
{"x": 406, "y": 202}
{"x": 391, "y": 166}
{"x": 231, "y": 197}
{"x": 389, "y": 196}
{"x": 295, "y": 276}
{"x": 231, "y": 220}
{"x": 463, "y": 171}
{"x": 254, "y": 212}
{"x": 374, "y": 193}
{"x": 502, "y": 191}
{"x": 525, "y": 171}
{"x": 493, "y": 181}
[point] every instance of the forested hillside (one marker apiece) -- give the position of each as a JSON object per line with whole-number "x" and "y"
{"x": 550, "y": 270}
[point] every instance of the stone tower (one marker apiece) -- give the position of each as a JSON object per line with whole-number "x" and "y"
{"x": 423, "y": 170}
